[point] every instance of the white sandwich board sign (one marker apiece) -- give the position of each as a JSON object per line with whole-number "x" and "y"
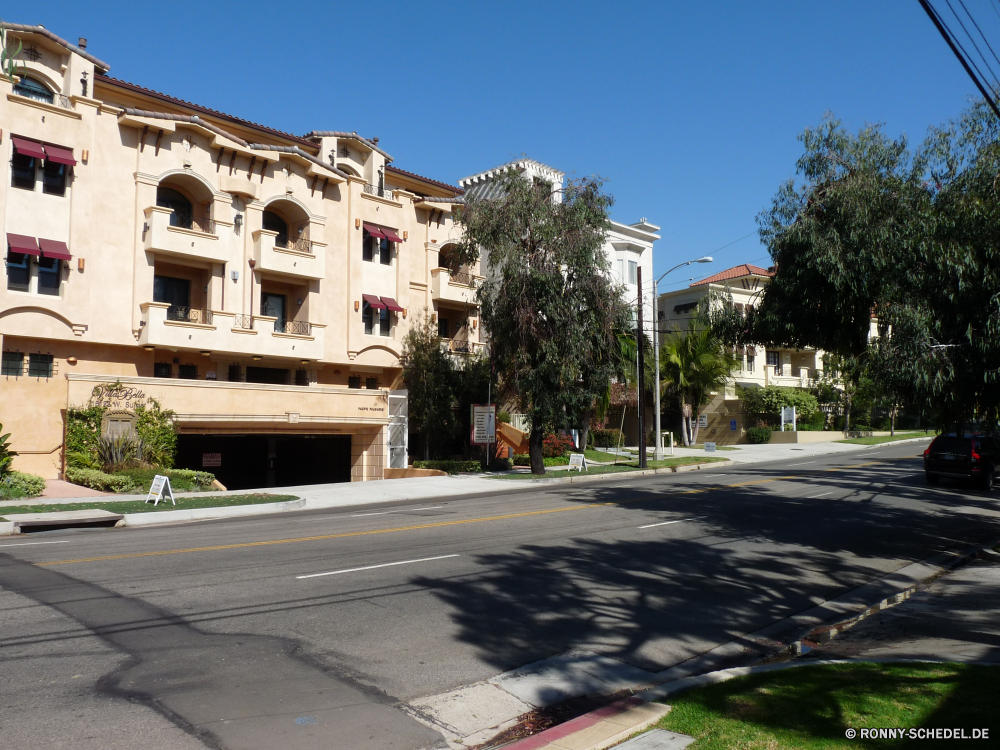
{"x": 577, "y": 461}
{"x": 160, "y": 490}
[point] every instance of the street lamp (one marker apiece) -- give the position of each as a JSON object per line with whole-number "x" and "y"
{"x": 658, "y": 455}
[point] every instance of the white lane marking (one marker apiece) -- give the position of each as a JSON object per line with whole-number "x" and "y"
{"x": 667, "y": 523}
{"x": 372, "y": 567}
{"x": 709, "y": 476}
{"x": 28, "y": 544}
{"x": 805, "y": 464}
{"x": 822, "y": 494}
{"x": 401, "y": 510}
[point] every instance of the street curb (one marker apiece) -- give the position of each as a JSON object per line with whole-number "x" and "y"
{"x": 197, "y": 514}
{"x": 723, "y": 464}
{"x": 597, "y": 730}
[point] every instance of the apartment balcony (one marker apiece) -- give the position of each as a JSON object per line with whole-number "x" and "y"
{"x": 458, "y": 287}
{"x": 301, "y": 258}
{"x": 172, "y": 327}
{"x": 794, "y": 377}
{"x": 196, "y": 241}
{"x": 461, "y": 347}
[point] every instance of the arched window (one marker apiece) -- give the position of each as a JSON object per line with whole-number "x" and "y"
{"x": 274, "y": 223}
{"x": 33, "y": 89}
{"x": 176, "y": 202}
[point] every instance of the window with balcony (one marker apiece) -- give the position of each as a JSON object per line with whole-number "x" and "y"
{"x": 301, "y": 377}
{"x": 12, "y": 364}
{"x": 443, "y": 328}
{"x": 274, "y": 223}
{"x": 371, "y": 384}
{"x": 174, "y": 292}
{"x": 235, "y": 374}
{"x": 178, "y": 203}
{"x": 34, "y": 89}
{"x": 22, "y": 171}
{"x": 54, "y": 178}
{"x": 187, "y": 372}
{"x": 354, "y": 381}
{"x": 161, "y": 370}
{"x": 40, "y": 365}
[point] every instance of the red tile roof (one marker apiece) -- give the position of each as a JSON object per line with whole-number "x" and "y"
{"x": 735, "y": 272}
{"x": 445, "y": 185}
{"x": 98, "y": 78}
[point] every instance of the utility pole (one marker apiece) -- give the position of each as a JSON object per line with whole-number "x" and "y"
{"x": 642, "y": 368}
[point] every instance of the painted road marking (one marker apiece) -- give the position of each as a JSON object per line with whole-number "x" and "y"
{"x": 372, "y": 567}
{"x": 28, "y": 544}
{"x": 822, "y": 494}
{"x": 667, "y": 523}
{"x": 805, "y": 464}
{"x": 402, "y": 510}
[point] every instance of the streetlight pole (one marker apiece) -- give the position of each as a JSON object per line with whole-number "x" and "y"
{"x": 656, "y": 351}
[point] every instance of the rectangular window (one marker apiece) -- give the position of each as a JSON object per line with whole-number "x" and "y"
{"x": 443, "y": 327}
{"x": 234, "y": 374}
{"x": 54, "y": 178}
{"x": 187, "y": 372}
{"x": 750, "y": 361}
{"x": 772, "y": 358}
{"x": 368, "y": 246}
{"x": 384, "y": 326}
{"x": 632, "y": 265}
{"x": 174, "y": 292}
{"x": 301, "y": 377}
{"x": 621, "y": 270}
{"x": 354, "y": 381}
{"x": 13, "y": 364}
{"x": 22, "y": 171}
{"x": 49, "y": 271}
{"x": 18, "y": 271}
{"x": 367, "y": 315}
{"x": 385, "y": 252}
{"x": 40, "y": 366}
{"x": 371, "y": 384}
{"x": 161, "y": 370}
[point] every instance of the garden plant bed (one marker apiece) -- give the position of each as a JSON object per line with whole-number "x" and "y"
{"x": 138, "y": 506}
{"x": 879, "y": 439}
{"x": 616, "y": 468}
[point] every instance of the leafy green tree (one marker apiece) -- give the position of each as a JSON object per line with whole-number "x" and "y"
{"x": 875, "y": 233}
{"x": 694, "y": 363}
{"x": 429, "y": 375}
{"x": 548, "y": 302}
{"x": 765, "y": 404}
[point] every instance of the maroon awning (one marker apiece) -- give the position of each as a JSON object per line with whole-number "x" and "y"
{"x": 60, "y": 155}
{"x": 28, "y": 148}
{"x": 752, "y": 351}
{"x": 391, "y": 235}
{"x": 54, "y": 249}
{"x": 374, "y": 231}
{"x": 390, "y": 303}
{"x": 374, "y": 301}
{"x": 21, "y": 243}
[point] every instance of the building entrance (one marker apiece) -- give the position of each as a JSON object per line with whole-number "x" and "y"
{"x": 243, "y": 462}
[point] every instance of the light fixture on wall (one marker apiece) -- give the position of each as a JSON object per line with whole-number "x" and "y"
{"x": 149, "y": 348}
{"x": 238, "y": 221}
{"x": 80, "y": 264}
{"x": 405, "y": 234}
{"x": 71, "y": 360}
{"x": 206, "y": 354}
{"x": 257, "y": 358}
{"x": 305, "y": 361}
{"x": 357, "y": 305}
{"x": 357, "y": 223}
{"x": 300, "y": 302}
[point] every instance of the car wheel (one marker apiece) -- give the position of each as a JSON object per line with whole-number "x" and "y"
{"x": 933, "y": 478}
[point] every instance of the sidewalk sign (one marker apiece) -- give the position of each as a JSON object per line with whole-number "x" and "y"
{"x": 788, "y": 416}
{"x": 577, "y": 461}
{"x": 160, "y": 490}
{"x": 484, "y": 424}
{"x": 709, "y": 447}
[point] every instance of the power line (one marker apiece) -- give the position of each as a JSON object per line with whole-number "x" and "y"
{"x": 974, "y": 45}
{"x": 987, "y": 41}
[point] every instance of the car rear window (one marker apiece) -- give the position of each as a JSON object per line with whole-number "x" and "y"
{"x": 948, "y": 444}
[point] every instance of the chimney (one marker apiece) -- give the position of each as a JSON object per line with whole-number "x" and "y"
{"x": 82, "y": 44}
{"x": 375, "y": 140}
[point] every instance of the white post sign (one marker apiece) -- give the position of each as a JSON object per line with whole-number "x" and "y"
{"x": 484, "y": 424}
{"x": 577, "y": 461}
{"x": 709, "y": 447}
{"x": 160, "y": 490}
{"x": 788, "y": 416}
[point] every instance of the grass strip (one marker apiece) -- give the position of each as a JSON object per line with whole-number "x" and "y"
{"x": 616, "y": 468}
{"x": 879, "y": 439}
{"x": 814, "y": 706}
{"x": 137, "y": 506}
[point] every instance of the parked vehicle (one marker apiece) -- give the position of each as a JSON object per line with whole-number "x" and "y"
{"x": 972, "y": 457}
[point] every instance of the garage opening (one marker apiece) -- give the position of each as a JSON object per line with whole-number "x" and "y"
{"x": 245, "y": 462}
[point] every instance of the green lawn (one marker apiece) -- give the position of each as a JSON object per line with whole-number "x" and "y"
{"x": 885, "y": 438}
{"x": 137, "y": 506}
{"x": 620, "y": 467}
{"x": 814, "y": 706}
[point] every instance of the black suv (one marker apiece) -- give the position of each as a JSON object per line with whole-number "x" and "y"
{"x": 974, "y": 457}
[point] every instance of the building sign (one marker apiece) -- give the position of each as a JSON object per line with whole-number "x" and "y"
{"x": 211, "y": 459}
{"x": 732, "y": 425}
{"x": 709, "y": 447}
{"x": 703, "y": 420}
{"x": 577, "y": 461}
{"x": 484, "y": 424}
{"x": 117, "y": 396}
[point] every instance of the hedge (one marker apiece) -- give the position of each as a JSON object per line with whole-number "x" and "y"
{"x": 98, "y": 480}
{"x": 607, "y": 438}
{"x": 759, "y": 434}
{"x": 452, "y": 467}
{"x": 17, "y": 484}
{"x": 554, "y": 446}
{"x": 181, "y": 480}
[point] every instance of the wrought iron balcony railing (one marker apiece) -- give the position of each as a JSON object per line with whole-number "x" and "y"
{"x": 297, "y": 327}
{"x": 189, "y": 314}
{"x": 381, "y": 192}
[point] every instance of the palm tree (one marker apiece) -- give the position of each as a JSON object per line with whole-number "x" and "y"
{"x": 693, "y": 364}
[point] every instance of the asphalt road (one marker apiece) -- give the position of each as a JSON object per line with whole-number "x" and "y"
{"x": 221, "y": 634}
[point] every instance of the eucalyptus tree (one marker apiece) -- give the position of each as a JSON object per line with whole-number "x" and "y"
{"x": 548, "y": 303}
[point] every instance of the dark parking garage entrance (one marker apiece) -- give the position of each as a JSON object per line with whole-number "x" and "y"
{"x": 244, "y": 462}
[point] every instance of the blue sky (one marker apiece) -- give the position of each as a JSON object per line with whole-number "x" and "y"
{"x": 690, "y": 111}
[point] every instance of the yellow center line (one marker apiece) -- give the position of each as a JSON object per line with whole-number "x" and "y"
{"x": 440, "y": 524}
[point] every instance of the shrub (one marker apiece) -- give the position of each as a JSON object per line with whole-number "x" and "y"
{"x": 98, "y": 480}
{"x": 181, "y": 480}
{"x": 522, "y": 459}
{"x": 6, "y": 454}
{"x": 17, "y": 484}
{"x": 117, "y": 453}
{"x": 154, "y": 428}
{"x": 452, "y": 467}
{"x": 81, "y": 460}
{"x": 607, "y": 438}
{"x": 503, "y": 417}
{"x": 759, "y": 434}
{"x": 556, "y": 445}
{"x": 556, "y": 461}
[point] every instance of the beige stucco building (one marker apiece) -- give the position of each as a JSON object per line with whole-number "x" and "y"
{"x": 257, "y": 283}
